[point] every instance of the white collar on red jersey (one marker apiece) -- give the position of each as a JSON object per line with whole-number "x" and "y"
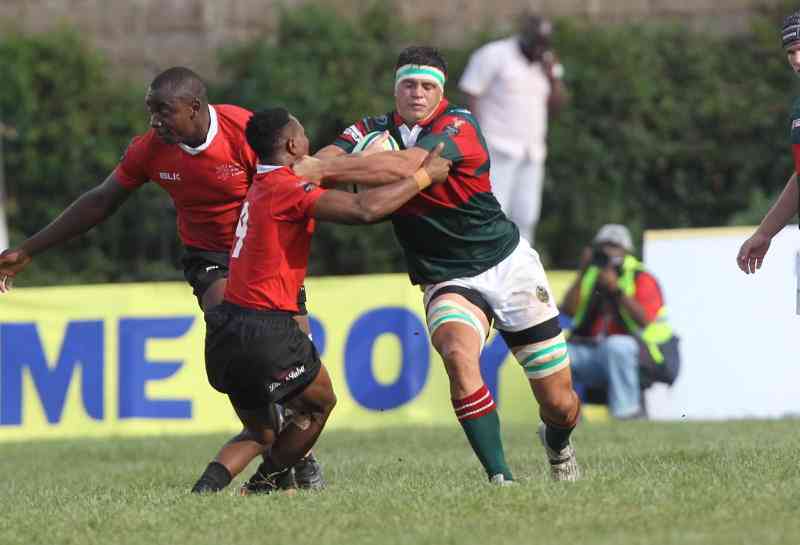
{"x": 263, "y": 169}
{"x": 212, "y": 132}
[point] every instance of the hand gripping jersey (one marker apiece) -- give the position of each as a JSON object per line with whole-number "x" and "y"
{"x": 273, "y": 240}
{"x": 450, "y": 230}
{"x": 207, "y": 183}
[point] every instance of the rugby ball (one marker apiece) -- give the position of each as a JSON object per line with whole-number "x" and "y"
{"x": 390, "y": 144}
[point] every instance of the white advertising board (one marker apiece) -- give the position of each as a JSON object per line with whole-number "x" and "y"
{"x": 739, "y": 333}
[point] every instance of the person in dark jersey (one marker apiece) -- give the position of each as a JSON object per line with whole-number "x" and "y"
{"x": 255, "y": 352}
{"x": 469, "y": 260}
{"x": 196, "y": 152}
{"x": 753, "y": 250}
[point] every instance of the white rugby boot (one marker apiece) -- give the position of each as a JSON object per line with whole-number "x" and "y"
{"x": 500, "y": 480}
{"x": 563, "y": 464}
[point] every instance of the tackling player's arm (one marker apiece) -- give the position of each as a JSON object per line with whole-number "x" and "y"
{"x": 377, "y": 169}
{"x": 329, "y": 152}
{"x": 371, "y": 206}
{"x": 85, "y": 212}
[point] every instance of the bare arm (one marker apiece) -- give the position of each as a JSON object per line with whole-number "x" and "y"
{"x": 328, "y": 152}
{"x": 376, "y": 169}
{"x": 558, "y": 92}
{"x": 85, "y": 212}
{"x": 371, "y": 206}
{"x": 782, "y": 211}
{"x": 558, "y": 97}
{"x": 754, "y": 249}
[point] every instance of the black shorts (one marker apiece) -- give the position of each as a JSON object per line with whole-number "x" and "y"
{"x": 201, "y": 268}
{"x": 257, "y": 357}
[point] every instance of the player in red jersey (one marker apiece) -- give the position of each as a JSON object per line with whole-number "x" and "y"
{"x": 197, "y": 153}
{"x": 255, "y": 352}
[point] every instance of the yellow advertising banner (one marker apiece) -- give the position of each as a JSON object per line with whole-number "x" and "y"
{"x": 123, "y": 359}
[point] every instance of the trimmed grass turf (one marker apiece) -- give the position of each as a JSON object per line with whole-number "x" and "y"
{"x": 654, "y": 483}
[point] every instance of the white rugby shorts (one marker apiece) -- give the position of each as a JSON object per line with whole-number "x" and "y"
{"x": 516, "y": 289}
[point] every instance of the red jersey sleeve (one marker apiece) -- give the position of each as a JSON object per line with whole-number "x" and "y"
{"x": 648, "y": 294}
{"x": 131, "y": 171}
{"x": 294, "y": 200}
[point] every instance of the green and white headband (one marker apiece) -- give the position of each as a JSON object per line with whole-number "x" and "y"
{"x": 419, "y": 71}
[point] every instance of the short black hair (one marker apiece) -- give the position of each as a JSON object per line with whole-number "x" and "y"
{"x": 180, "y": 82}
{"x": 263, "y": 131}
{"x": 422, "y": 54}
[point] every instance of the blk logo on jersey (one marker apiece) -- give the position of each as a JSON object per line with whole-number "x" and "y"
{"x": 228, "y": 171}
{"x": 170, "y": 176}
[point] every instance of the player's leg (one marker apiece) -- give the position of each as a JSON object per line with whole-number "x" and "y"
{"x": 459, "y": 323}
{"x": 542, "y": 352}
{"x": 527, "y": 317}
{"x": 208, "y": 276}
{"x": 207, "y": 273}
{"x": 307, "y": 471}
{"x": 253, "y": 441}
{"x": 315, "y": 403}
{"x": 293, "y": 376}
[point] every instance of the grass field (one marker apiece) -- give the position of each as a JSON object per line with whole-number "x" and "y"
{"x": 653, "y": 483}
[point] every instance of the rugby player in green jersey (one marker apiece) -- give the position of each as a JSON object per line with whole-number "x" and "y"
{"x": 470, "y": 261}
{"x": 754, "y": 249}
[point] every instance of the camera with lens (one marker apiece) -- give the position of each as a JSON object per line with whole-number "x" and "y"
{"x": 602, "y": 259}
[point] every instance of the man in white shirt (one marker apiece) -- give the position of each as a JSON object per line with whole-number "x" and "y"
{"x": 513, "y": 86}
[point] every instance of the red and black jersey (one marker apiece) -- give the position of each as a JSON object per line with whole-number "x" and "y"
{"x": 273, "y": 240}
{"x": 455, "y": 229}
{"x": 207, "y": 184}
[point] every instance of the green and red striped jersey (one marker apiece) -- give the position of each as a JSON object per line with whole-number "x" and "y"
{"x": 450, "y": 230}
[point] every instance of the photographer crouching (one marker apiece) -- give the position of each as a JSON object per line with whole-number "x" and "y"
{"x": 620, "y": 340}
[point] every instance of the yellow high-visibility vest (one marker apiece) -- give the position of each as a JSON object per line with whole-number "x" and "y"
{"x": 654, "y": 334}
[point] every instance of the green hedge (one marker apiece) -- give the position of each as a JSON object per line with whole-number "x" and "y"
{"x": 665, "y": 128}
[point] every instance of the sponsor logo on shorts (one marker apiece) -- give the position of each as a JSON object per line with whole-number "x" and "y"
{"x": 542, "y": 294}
{"x": 289, "y": 376}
